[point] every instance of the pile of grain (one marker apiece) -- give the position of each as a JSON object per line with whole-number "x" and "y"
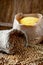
{"x": 17, "y": 41}
{"x": 22, "y": 55}
{"x": 27, "y": 56}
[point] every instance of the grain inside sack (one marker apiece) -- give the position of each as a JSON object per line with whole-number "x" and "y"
{"x": 12, "y": 41}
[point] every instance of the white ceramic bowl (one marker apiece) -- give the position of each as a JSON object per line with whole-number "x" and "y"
{"x": 34, "y": 33}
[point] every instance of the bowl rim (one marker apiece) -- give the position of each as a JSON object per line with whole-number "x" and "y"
{"x": 33, "y": 14}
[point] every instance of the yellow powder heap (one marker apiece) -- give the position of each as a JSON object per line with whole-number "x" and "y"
{"x": 29, "y": 21}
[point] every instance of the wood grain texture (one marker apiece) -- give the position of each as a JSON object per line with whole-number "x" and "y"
{"x": 37, "y": 6}
{"x": 29, "y": 6}
{"x": 8, "y": 8}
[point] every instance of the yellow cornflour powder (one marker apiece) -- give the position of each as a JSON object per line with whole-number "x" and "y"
{"x": 29, "y": 21}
